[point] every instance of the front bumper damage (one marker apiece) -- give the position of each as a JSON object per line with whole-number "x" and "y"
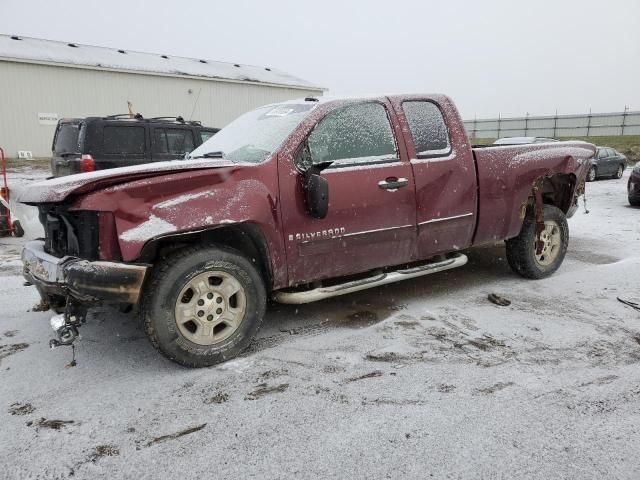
{"x": 80, "y": 284}
{"x": 87, "y": 282}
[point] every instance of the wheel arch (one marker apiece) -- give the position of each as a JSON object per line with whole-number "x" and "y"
{"x": 244, "y": 237}
{"x": 558, "y": 190}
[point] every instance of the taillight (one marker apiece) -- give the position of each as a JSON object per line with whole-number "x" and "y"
{"x": 87, "y": 164}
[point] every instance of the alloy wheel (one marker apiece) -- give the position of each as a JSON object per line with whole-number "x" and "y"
{"x": 552, "y": 243}
{"x": 210, "y": 307}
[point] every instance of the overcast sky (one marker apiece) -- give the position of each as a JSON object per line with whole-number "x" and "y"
{"x": 493, "y": 56}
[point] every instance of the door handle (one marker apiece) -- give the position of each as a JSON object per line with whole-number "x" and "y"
{"x": 393, "y": 183}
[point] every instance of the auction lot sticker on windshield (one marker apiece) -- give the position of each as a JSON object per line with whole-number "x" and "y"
{"x": 280, "y": 111}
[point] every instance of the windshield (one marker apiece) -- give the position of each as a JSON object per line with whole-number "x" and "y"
{"x": 254, "y": 136}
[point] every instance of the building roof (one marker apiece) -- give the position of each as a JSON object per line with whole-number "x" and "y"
{"x": 36, "y": 50}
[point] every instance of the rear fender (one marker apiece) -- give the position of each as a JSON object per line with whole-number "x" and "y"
{"x": 507, "y": 177}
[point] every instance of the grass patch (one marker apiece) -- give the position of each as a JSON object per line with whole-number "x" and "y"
{"x": 628, "y": 145}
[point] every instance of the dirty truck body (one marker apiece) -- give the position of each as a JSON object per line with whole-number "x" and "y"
{"x": 298, "y": 201}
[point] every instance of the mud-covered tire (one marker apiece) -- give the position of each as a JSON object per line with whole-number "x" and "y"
{"x": 167, "y": 283}
{"x": 521, "y": 250}
{"x": 592, "y": 175}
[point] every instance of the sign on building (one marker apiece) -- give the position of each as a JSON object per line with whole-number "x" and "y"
{"x": 48, "y": 118}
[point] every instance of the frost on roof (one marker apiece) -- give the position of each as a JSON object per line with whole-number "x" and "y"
{"x": 39, "y": 50}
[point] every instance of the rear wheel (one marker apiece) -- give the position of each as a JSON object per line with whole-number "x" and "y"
{"x": 203, "y": 305}
{"x": 634, "y": 202}
{"x": 591, "y": 176}
{"x": 522, "y": 254}
{"x": 620, "y": 171}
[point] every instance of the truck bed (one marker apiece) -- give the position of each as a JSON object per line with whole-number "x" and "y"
{"x": 506, "y": 175}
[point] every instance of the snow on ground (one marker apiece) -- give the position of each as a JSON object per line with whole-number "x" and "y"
{"x": 417, "y": 379}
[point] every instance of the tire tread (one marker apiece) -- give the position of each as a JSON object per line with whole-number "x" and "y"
{"x": 159, "y": 272}
{"x": 519, "y": 248}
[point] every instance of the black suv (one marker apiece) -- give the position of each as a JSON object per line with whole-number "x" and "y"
{"x": 96, "y": 143}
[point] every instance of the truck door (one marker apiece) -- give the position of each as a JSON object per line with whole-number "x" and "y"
{"x": 444, "y": 173}
{"x": 371, "y": 216}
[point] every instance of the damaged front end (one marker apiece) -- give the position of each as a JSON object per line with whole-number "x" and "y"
{"x": 70, "y": 286}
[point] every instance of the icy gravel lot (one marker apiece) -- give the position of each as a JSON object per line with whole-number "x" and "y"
{"x": 420, "y": 379}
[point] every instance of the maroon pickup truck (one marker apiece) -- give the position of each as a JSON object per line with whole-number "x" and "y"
{"x": 297, "y": 201}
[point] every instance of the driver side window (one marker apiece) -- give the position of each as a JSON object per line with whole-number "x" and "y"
{"x": 353, "y": 135}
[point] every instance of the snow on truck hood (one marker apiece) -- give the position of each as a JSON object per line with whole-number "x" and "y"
{"x": 57, "y": 189}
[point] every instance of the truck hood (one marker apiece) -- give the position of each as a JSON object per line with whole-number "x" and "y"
{"x": 58, "y": 189}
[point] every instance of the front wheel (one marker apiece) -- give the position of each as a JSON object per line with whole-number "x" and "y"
{"x": 522, "y": 253}
{"x": 620, "y": 171}
{"x": 591, "y": 176}
{"x": 203, "y": 305}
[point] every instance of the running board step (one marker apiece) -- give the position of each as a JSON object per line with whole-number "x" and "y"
{"x": 320, "y": 293}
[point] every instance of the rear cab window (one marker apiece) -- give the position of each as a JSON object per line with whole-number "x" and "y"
{"x": 354, "y": 135}
{"x": 66, "y": 139}
{"x": 428, "y": 128}
{"x": 124, "y": 140}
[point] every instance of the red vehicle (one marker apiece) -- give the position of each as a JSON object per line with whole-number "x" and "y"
{"x": 298, "y": 201}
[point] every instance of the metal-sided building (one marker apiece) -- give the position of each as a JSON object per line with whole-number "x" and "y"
{"x": 42, "y": 81}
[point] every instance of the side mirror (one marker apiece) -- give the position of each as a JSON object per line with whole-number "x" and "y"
{"x": 316, "y": 190}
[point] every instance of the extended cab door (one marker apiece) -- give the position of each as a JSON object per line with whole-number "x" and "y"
{"x": 371, "y": 216}
{"x": 444, "y": 172}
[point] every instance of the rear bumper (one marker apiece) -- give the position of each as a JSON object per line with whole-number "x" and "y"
{"x": 85, "y": 281}
{"x": 61, "y": 167}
